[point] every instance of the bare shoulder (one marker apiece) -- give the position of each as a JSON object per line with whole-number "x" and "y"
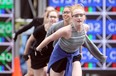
{"x": 66, "y": 28}
{"x": 67, "y": 31}
{"x": 62, "y": 32}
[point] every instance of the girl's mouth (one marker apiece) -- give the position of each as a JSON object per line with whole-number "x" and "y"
{"x": 79, "y": 21}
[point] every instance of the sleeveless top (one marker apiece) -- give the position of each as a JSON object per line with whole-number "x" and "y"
{"x": 54, "y": 28}
{"x": 72, "y": 44}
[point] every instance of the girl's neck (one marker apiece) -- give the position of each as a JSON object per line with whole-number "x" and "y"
{"x": 78, "y": 28}
{"x": 47, "y": 26}
{"x": 67, "y": 23}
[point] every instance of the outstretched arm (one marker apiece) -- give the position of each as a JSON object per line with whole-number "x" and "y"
{"x": 23, "y": 29}
{"x": 58, "y": 34}
{"x": 92, "y": 48}
{"x": 36, "y": 22}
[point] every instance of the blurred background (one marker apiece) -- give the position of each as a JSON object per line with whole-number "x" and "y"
{"x": 14, "y": 14}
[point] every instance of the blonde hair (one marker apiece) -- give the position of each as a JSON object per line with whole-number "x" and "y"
{"x": 77, "y": 6}
{"x": 69, "y": 7}
{"x": 47, "y": 15}
{"x": 50, "y": 8}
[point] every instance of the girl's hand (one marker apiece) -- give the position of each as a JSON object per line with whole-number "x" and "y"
{"x": 25, "y": 57}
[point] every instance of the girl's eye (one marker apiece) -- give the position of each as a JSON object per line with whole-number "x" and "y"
{"x": 77, "y": 15}
{"x": 53, "y": 17}
{"x": 66, "y": 12}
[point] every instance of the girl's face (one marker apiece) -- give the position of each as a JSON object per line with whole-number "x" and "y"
{"x": 78, "y": 16}
{"x": 53, "y": 17}
{"x": 66, "y": 15}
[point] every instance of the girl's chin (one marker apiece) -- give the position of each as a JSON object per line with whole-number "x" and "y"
{"x": 79, "y": 24}
{"x": 52, "y": 22}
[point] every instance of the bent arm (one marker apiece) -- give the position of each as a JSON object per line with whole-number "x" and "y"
{"x": 58, "y": 34}
{"x": 28, "y": 44}
{"x": 24, "y": 28}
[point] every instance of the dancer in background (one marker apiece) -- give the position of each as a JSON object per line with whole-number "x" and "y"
{"x": 71, "y": 38}
{"x": 38, "y": 61}
{"x": 36, "y": 22}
